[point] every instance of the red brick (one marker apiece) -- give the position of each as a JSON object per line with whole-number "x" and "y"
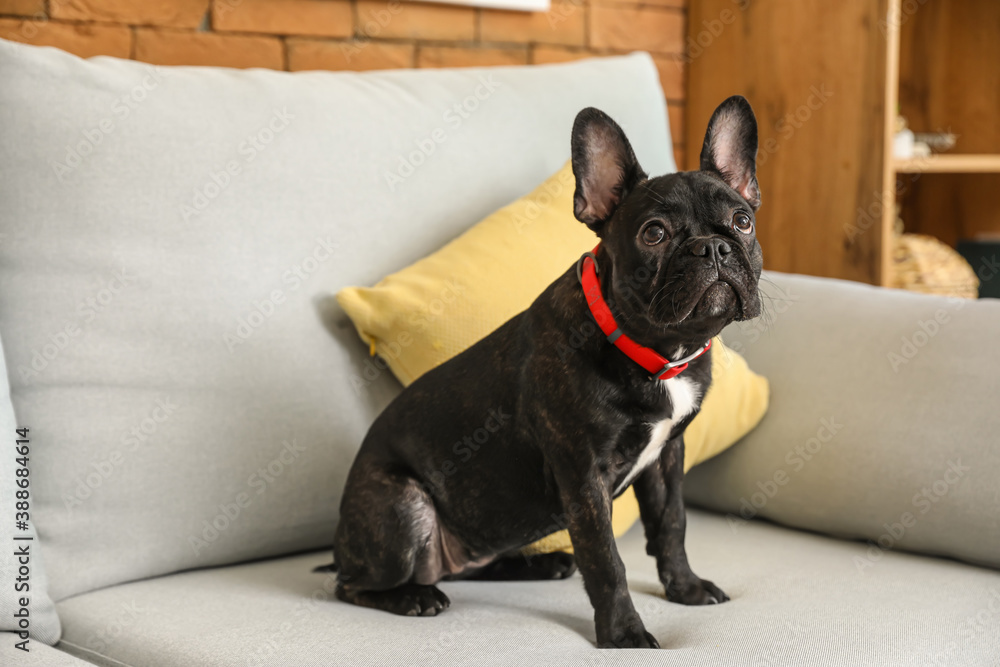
{"x": 311, "y": 54}
{"x": 462, "y": 56}
{"x": 637, "y": 28}
{"x": 324, "y": 18}
{"x": 562, "y": 24}
{"x": 677, "y": 4}
{"x": 672, "y": 70}
{"x": 82, "y": 40}
{"x": 22, "y": 7}
{"x": 172, "y": 13}
{"x": 415, "y": 20}
{"x": 542, "y": 55}
{"x": 676, "y": 114}
{"x": 182, "y": 47}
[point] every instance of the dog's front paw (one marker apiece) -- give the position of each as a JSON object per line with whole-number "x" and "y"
{"x": 693, "y": 591}
{"x": 631, "y": 636}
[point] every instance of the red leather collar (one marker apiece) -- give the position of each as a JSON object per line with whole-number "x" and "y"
{"x": 658, "y": 366}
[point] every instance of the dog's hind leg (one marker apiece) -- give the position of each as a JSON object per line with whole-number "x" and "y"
{"x": 385, "y": 546}
{"x": 405, "y": 600}
{"x": 517, "y": 567}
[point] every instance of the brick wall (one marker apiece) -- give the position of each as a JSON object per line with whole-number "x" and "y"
{"x": 357, "y": 34}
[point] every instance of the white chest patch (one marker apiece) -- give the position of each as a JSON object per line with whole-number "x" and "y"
{"x": 684, "y": 398}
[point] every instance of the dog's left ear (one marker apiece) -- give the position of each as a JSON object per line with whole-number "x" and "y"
{"x": 604, "y": 165}
{"x": 730, "y": 148}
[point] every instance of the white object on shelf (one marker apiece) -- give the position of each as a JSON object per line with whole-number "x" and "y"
{"x": 902, "y": 144}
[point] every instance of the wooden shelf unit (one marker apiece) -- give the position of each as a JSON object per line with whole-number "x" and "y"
{"x": 826, "y": 81}
{"x": 948, "y": 164}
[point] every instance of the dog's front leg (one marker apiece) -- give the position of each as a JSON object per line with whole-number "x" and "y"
{"x": 661, "y": 505}
{"x": 587, "y": 503}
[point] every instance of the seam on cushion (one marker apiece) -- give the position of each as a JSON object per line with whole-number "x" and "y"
{"x": 408, "y": 376}
{"x": 87, "y": 651}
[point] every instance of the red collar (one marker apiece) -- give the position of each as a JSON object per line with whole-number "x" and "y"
{"x": 659, "y": 367}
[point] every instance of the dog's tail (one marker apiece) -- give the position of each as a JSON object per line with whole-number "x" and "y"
{"x": 332, "y": 567}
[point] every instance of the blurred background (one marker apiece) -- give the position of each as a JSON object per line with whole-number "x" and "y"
{"x": 880, "y": 142}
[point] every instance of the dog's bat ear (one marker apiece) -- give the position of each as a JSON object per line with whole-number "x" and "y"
{"x": 730, "y": 148}
{"x": 604, "y": 165}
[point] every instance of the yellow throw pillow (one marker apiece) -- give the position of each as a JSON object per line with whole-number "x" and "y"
{"x": 420, "y": 317}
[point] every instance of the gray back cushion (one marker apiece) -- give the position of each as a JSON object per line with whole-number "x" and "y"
{"x": 167, "y": 232}
{"x": 21, "y": 565}
{"x": 884, "y": 422}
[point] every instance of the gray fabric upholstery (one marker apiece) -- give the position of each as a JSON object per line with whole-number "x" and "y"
{"x": 18, "y": 585}
{"x": 166, "y": 232}
{"x": 883, "y": 423}
{"x": 797, "y": 600}
{"x": 154, "y": 417}
{"x": 39, "y": 655}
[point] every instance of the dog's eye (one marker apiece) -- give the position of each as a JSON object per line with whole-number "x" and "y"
{"x": 742, "y": 223}
{"x": 653, "y": 233}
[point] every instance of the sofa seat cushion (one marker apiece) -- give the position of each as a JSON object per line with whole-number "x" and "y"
{"x": 795, "y": 597}
{"x": 38, "y": 654}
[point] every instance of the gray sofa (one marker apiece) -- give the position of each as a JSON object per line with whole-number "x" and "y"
{"x": 171, "y": 241}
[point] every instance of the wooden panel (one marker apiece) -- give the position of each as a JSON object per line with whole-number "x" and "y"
{"x": 890, "y": 106}
{"x": 815, "y": 74}
{"x": 950, "y": 80}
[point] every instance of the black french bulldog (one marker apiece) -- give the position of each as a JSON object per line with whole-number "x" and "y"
{"x": 539, "y": 426}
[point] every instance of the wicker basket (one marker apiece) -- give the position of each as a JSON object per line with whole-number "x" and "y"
{"x": 924, "y": 264}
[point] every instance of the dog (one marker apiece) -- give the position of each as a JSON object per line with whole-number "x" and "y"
{"x": 541, "y": 424}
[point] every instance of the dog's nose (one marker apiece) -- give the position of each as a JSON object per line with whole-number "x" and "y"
{"x": 713, "y": 247}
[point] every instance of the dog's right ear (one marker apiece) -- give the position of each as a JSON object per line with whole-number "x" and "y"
{"x": 604, "y": 165}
